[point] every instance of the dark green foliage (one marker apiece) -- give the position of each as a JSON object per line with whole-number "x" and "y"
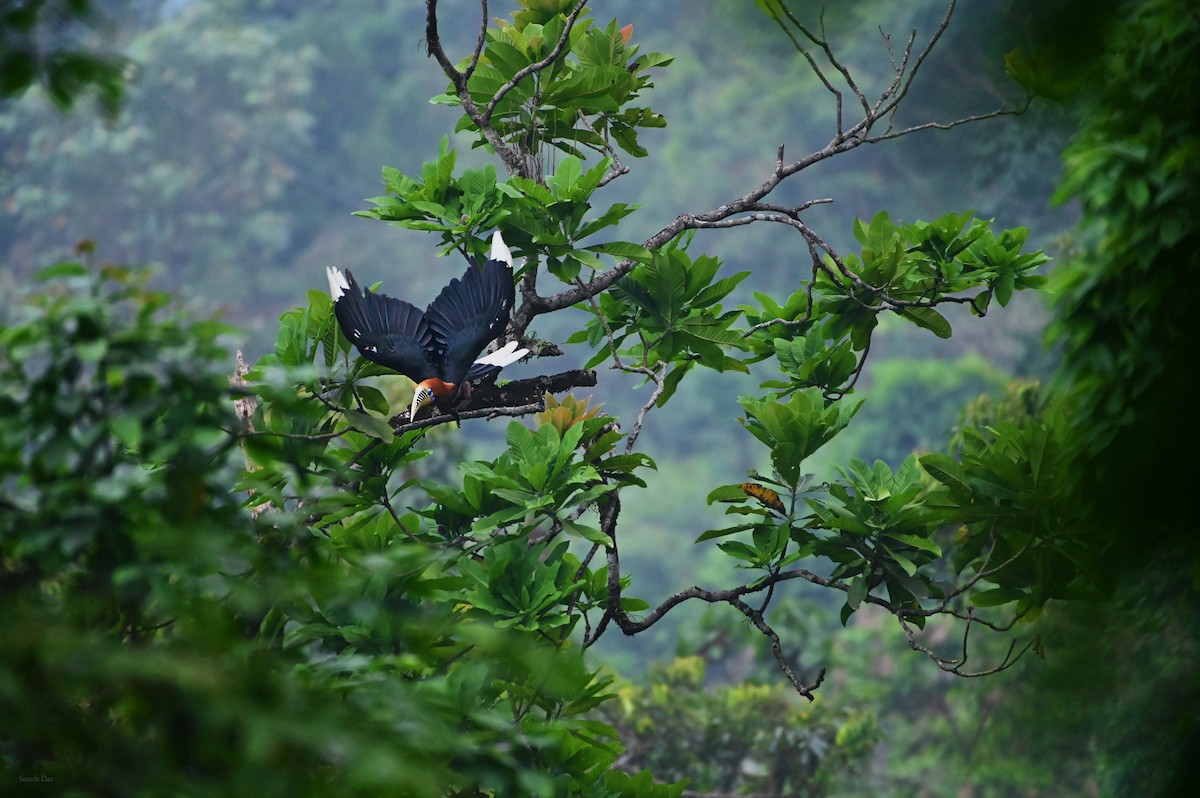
{"x": 38, "y": 47}
{"x": 1127, "y": 322}
{"x": 290, "y": 599}
{"x": 582, "y": 100}
{"x": 1127, "y": 326}
{"x": 160, "y": 637}
{"x": 113, "y": 425}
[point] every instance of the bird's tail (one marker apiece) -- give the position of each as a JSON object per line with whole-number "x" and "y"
{"x": 491, "y": 363}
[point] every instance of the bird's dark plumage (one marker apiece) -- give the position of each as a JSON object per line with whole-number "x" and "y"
{"x": 437, "y": 346}
{"x": 468, "y": 315}
{"x": 387, "y": 331}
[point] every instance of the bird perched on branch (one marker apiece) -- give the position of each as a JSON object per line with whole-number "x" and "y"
{"x": 439, "y": 348}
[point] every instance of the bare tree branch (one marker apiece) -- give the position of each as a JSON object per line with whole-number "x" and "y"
{"x": 966, "y": 120}
{"x": 893, "y": 98}
{"x": 479, "y": 41}
{"x": 513, "y": 161}
{"x": 734, "y": 597}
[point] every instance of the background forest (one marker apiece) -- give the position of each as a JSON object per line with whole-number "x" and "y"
{"x": 228, "y": 143}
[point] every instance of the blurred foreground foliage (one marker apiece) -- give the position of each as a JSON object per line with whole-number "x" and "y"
{"x": 160, "y": 637}
{"x": 51, "y": 44}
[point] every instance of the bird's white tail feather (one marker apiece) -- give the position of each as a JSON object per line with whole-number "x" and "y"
{"x": 507, "y": 354}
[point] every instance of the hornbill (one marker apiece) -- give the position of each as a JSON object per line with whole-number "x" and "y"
{"x": 437, "y": 348}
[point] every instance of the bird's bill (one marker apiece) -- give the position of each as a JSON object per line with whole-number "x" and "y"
{"x": 422, "y": 397}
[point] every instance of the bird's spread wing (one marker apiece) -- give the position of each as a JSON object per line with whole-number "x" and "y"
{"x": 470, "y": 313}
{"x": 387, "y": 331}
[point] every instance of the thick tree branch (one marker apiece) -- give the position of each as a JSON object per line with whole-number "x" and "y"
{"x": 518, "y": 398}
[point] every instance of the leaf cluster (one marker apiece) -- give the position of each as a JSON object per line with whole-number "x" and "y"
{"x": 582, "y": 98}
{"x": 1011, "y": 490}
{"x": 665, "y": 312}
{"x": 821, "y": 335}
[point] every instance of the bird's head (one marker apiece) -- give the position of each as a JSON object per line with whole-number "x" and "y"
{"x": 421, "y": 397}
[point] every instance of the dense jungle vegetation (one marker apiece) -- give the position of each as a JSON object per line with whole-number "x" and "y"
{"x": 865, "y": 469}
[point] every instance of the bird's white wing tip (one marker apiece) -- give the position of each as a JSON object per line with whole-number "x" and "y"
{"x": 500, "y": 250}
{"x": 337, "y": 283}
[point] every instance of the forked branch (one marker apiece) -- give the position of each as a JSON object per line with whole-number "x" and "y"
{"x": 875, "y": 123}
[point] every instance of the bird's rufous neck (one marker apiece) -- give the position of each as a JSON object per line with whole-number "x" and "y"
{"x": 441, "y": 390}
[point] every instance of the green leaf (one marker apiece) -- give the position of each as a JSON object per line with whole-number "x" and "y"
{"x": 773, "y": 9}
{"x": 727, "y": 493}
{"x": 717, "y": 291}
{"x": 587, "y": 532}
{"x": 623, "y": 249}
{"x": 371, "y": 424}
{"x": 997, "y": 596}
{"x": 609, "y": 218}
{"x": 918, "y": 542}
{"x": 929, "y": 319}
{"x": 946, "y": 471}
{"x": 740, "y": 551}
{"x": 720, "y": 533}
{"x": 857, "y": 592}
{"x": 673, "y": 378}
{"x": 564, "y": 180}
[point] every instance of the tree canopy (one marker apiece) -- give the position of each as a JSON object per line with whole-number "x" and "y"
{"x": 280, "y": 583}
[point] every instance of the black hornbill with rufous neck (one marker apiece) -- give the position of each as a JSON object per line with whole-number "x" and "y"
{"x": 439, "y": 348}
